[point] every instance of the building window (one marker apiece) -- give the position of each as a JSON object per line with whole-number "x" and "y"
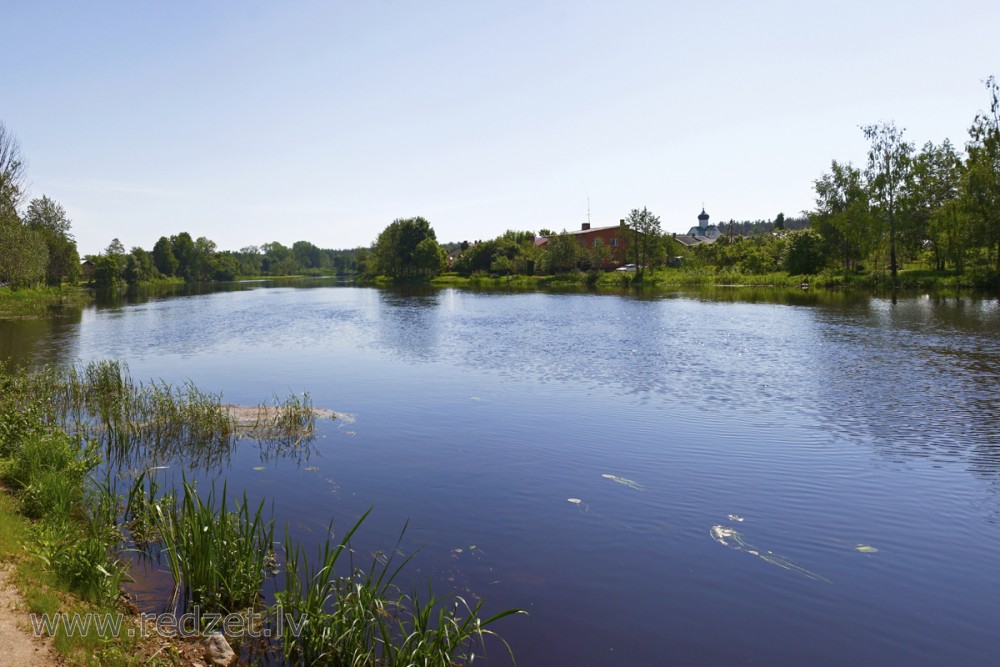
{"x": 614, "y": 243}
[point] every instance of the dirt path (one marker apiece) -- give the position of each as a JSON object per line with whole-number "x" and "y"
{"x": 17, "y": 646}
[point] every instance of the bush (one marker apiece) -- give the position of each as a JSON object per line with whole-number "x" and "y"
{"x": 805, "y": 252}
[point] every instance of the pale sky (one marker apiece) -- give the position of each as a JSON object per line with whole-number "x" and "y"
{"x": 250, "y": 122}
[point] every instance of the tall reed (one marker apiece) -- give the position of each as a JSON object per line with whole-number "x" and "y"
{"x": 218, "y": 558}
{"x": 359, "y": 617}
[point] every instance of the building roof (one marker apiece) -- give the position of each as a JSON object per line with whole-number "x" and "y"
{"x": 594, "y": 229}
{"x": 692, "y": 239}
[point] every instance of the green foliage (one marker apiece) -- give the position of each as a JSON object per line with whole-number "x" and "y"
{"x": 645, "y": 232}
{"x": 182, "y": 246}
{"x": 218, "y": 558}
{"x": 804, "y": 252}
{"x": 843, "y": 216}
{"x": 163, "y": 257}
{"x": 85, "y": 554}
{"x": 562, "y": 252}
{"x": 24, "y": 255}
{"x": 982, "y": 185}
{"x": 49, "y": 468}
{"x": 12, "y": 174}
{"x": 107, "y": 273}
{"x": 139, "y": 267}
{"x": 398, "y": 250}
{"x": 48, "y": 218}
{"x": 889, "y": 165}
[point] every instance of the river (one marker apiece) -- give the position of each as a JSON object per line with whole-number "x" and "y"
{"x": 694, "y": 478}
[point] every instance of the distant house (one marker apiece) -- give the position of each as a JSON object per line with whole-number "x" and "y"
{"x": 615, "y": 237}
{"x": 87, "y": 270}
{"x": 455, "y": 252}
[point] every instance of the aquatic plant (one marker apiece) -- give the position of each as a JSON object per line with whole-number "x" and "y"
{"x": 218, "y": 558}
{"x": 359, "y": 617}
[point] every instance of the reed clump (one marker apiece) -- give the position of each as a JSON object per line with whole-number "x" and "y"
{"x": 217, "y": 557}
{"x": 346, "y": 615}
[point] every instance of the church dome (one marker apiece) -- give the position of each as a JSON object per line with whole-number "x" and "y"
{"x": 703, "y": 216}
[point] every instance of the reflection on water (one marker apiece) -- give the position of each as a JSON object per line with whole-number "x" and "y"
{"x": 824, "y": 421}
{"x": 38, "y": 341}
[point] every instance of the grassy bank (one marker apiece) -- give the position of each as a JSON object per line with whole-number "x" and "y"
{"x": 81, "y": 497}
{"x": 40, "y": 301}
{"x": 712, "y": 277}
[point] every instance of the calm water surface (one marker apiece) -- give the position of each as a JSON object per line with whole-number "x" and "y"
{"x": 825, "y": 422}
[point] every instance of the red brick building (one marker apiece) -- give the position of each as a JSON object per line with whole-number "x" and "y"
{"x": 616, "y": 238}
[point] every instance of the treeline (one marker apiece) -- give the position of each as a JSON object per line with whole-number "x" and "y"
{"x": 198, "y": 260}
{"x": 756, "y": 227}
{"x": 935, "y": 206}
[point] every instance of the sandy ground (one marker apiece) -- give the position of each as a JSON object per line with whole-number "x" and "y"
{"x": 17, "y": 646}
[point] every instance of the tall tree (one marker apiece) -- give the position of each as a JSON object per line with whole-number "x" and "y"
{"x": 562, "y": 253}
{"x": 888, "y": 165}
{"x": 842, "y": 215}
{"x": 12, "y": 173}
{"x": 48, "y": 218}
{"x": 934, "y": 182}
{"x": 396, "y": 246}
{"x": 23, "y": 254}
{"x": 163, "y": 257}
{"x": 646, "y": 234}
{"x": 183, "y": 246}
{"x": 983, "y": 172}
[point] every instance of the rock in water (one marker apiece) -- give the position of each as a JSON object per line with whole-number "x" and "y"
{"x": 218, "y": 651}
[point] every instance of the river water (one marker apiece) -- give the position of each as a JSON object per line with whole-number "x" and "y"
{"x": 704, "y": 478}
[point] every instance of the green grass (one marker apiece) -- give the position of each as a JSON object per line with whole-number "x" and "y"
{"x": 217, "y": 557}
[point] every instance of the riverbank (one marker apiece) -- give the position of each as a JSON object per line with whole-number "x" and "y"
{"x": 711, "y": 277}
{"x": 81, "y": 456}
{"x": 41, "y": 301}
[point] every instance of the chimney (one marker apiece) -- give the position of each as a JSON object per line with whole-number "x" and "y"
{"x": 586, "y": 226}
{"x": 622, "y": 222}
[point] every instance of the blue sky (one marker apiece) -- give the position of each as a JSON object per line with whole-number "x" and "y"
{"x": 250, "y": 122}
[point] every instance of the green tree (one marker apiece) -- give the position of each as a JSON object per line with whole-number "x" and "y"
{"x": 23, "y": 251}
{"x": 646, "y": 234}
{"x": 224, "y": 266}
{"x": 279, "y": 260}
{"x": 428, "y": 257}
{"x": 107, "y": 273}
{"x": 308, "y": 255}
{"x": 935, "y": 181}
{"x": 562, "y": 253}
{"x": 251, "y": 261}
{"x": 48, "y": 218}
{"x": 887, "y": 172}
{"x": 396, "y": 247}
{"x": 804, "y": 252}
{"x": 183, "y": 248}
{"x": 164, "y": 258}
{"x": 139, "y": 267}
{"x": 23, "y": 254}
{"x": 982, "y": 190}
{"x": 843, "y": 214}
{"x": 201, "y": 265}
{"x": 12, "y": 175}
